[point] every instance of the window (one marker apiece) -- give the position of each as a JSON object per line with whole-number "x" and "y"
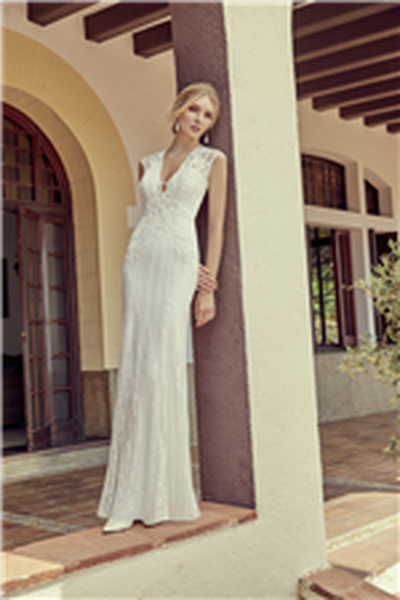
{"x": 323, "y": 183}
{"x": 28, "y": 175}
{"x": 372, "y": 198}
{"x": 330, "y": 281}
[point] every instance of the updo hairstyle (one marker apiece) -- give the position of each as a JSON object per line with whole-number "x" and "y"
{"x": 189, "y": 94}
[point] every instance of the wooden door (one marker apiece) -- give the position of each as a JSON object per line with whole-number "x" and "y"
{"x": 37, "y": 413}
{"x": 378, "y": 246}
{"x": 48, "y": 345}
{"x": 344, "y": 283}
{"x": 61, "y": 343}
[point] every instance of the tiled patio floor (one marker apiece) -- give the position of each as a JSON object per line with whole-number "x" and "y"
{"x": 362, "y": 497}
{"x": 51, "y": 505}
{"x": 352, "y": 451}
{"x": 361, "y": 494}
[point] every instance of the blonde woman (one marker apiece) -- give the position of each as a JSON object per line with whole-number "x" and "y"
{"x": 149, "y": 472}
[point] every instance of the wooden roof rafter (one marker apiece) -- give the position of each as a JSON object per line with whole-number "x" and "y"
{"x": 347, "y": 56}
{"x": 46, "y": 13}
{"x": 382, "y": 117}
{"x": 314, "y": 17}
{"x": 123, "y": 17}
{"x": 341, "y": 36}
{"x": 370, "y": 107}
{"x": 370, "y": 72}
{"x": 360, "y": 55}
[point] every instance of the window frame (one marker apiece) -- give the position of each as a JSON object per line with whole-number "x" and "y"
{"x": 344, "y": 294}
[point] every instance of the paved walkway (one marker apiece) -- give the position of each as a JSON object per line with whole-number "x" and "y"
{"x": 362, "y": 492}
{"x": 361, "y": 495}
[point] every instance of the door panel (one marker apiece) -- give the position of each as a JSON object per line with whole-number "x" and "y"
{"x": 59, "y": 332}
{"x": 33, "y": 334}
{"x": 344, "y": 278}
{"x": 379, "y": 245}
{"x": 47, "y": 330}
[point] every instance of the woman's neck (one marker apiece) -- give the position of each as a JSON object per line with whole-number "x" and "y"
{"x": 182, "y": 144}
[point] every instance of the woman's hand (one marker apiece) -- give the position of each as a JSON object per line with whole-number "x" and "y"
{"x": 204, "y": 308}
{"x": 205, "y": 281}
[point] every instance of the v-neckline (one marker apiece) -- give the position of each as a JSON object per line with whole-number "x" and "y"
{"x": 166, "y": 182}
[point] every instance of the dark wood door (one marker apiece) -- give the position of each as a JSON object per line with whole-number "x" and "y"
{"x": 48, "y": 348}
{"x": 37, "y": 414}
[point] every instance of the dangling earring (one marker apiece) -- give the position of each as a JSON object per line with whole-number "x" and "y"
{"x": 175, "y": 127}
{"x": 206, "y": 138}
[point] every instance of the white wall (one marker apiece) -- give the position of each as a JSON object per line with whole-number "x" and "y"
{"x": 375, "y": 150}
{"x": 133, "y": 93}
{"x": 136, "y": 91}
{"x": 12, "y": 323}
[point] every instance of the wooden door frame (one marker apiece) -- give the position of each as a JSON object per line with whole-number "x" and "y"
{"x": 55, "y": 211}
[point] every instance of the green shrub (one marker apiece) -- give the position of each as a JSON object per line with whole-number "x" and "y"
{"x": 382, "y": 355}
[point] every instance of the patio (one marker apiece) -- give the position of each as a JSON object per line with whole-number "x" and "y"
{"x": 361, "y": 491}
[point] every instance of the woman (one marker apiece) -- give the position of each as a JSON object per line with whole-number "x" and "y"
{"x": 149, "y": 472}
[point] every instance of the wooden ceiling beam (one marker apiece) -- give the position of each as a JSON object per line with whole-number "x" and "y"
{"x": 381, "y": 118}
{"x": 394, "y": 127}
{"x": 317, "y": 16}
{"x": 365, "y": 109}
{"x": 348, "y": 78}
{"x": 389, "y": 46}
{"x": 362, "y": 92}
{"x": 346, "y": 35}
{"x": 153, "y": 40}
{"x": 45, "y": 13}
{"x": 122, "y": 18}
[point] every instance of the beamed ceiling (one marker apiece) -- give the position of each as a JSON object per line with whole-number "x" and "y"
{"x": 347, "y": 55}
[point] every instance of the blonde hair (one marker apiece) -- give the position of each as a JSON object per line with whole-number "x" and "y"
{"x": 189, "y": 94}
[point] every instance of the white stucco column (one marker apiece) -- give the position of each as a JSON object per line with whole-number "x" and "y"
{"x": 275, "y": 284}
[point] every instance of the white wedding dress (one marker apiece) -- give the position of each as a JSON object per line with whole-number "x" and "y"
{"x": 149, "y": 471}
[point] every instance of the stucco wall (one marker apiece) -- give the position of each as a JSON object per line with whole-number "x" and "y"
{"x": 341, "y": 396}
{"x": 376, "y": 151}
{"x": 114, "y": 104}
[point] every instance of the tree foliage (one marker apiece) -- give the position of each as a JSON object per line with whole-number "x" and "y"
{"x": 382, "y": 355}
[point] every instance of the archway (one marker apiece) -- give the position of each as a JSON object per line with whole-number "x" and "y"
{"x": 41, "y": 353}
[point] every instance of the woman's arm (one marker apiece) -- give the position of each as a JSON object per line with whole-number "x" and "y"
{"x": 140, "y": 170}
{"x": 204, "y": 309}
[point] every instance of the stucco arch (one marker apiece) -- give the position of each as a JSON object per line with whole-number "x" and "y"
{"x": 59, "y": 100}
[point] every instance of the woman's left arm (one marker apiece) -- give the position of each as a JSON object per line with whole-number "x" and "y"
{"x": 204, "y": 309}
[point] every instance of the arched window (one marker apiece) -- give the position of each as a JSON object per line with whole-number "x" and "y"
{"x": 323, "y": 183}
{"x": 32, "y": 171}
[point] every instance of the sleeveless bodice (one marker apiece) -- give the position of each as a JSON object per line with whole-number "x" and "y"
{"x": 185, "y": 189}
{"x": 169, "y": 215}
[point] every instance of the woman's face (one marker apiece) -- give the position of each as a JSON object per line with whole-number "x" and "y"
{"x": 197, "y": 118}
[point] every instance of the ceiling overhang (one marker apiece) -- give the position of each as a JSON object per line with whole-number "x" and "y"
{"x": 347, "y": 55}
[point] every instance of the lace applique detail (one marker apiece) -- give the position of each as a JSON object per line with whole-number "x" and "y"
{"x": 204, "y": 158}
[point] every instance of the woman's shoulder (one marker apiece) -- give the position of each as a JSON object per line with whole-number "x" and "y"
{"x": 149, "y": 158}
{"x": 205, "y": 157}
{"x": 210, "y": 154}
